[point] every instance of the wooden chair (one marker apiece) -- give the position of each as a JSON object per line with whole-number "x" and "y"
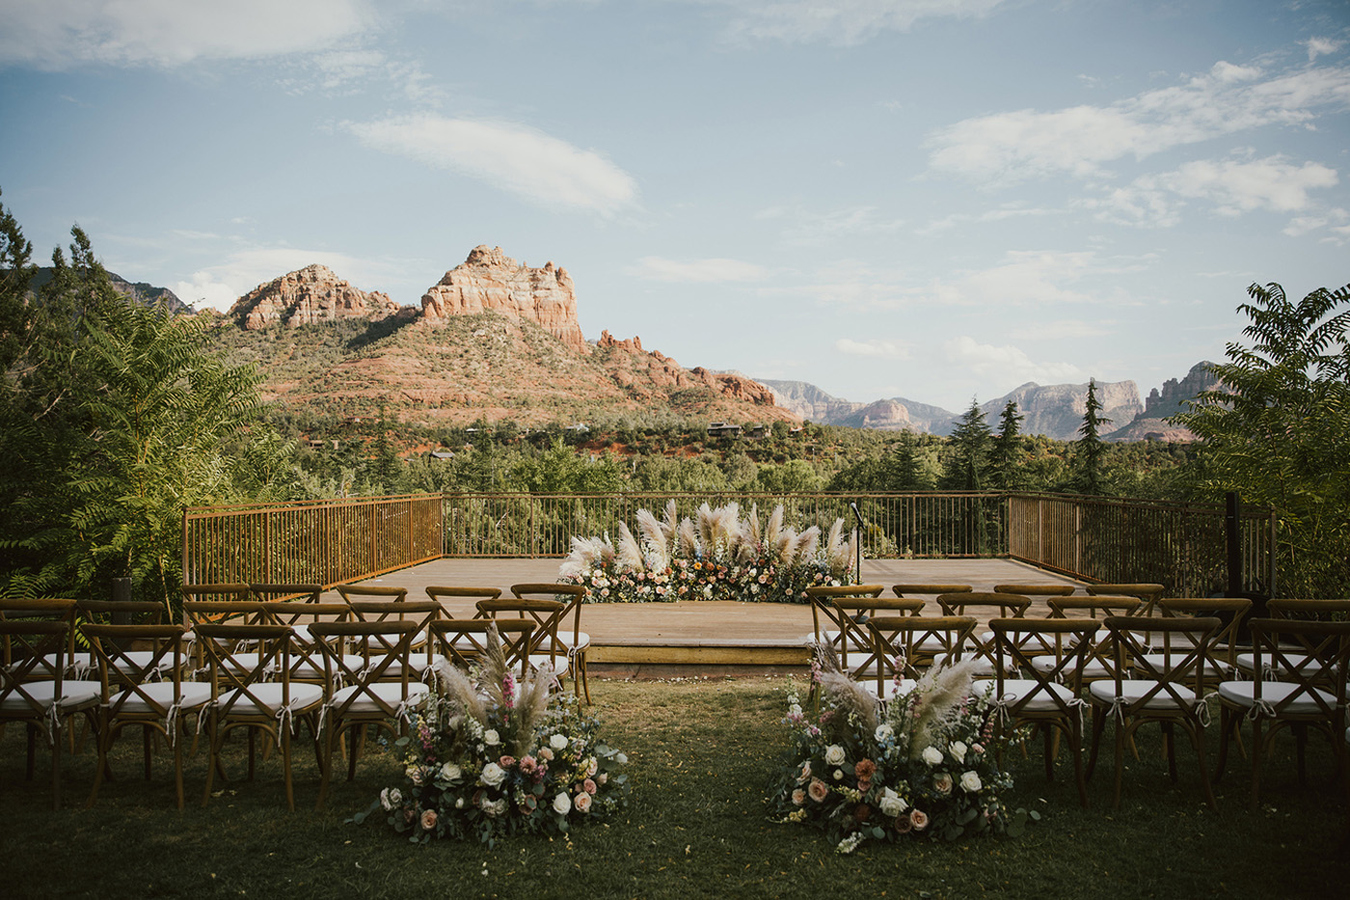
{"x": 928, "y": 590}
{"x": 896, "y": 640}
{"x": 545, "y": 653}
{"x": 1172, "y": 695}
{"x": 1044, "y": 697}
{"x": 1299, "y": 683}
{"x": 445, "y": 594}
{"x": 825, "y": 627}
{"x": 1148, "y": 594}
{"x": 462, "y": 642}
{"x": 245, "y": 696}
{"x": 1221, "y": 661}
{"x": 983, "y": 646}
{"x": 143, "y": 688}
{"x": 422, "y": 613}
{"x": 307, "y": 662}
{"x": 378, "y": 690}
{"x": 839, "y": 615}
{"x": 34, "y": 689}
{"x": 298, "y": 594}
{"x": 573, "y": 642}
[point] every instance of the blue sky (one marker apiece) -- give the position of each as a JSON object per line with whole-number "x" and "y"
{"x": 935, "y": 199}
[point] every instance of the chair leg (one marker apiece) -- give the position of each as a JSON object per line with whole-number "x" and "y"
{"x": 354, "y": 748}
{"x": 1170, "y": 744}
{"x": 1301, "y": 742}
{"x": 1227, "y": 722}
{"x": 286, "y": 766}
{"x": 103, "y": 739}
{"x": 56, "y": 766}
{"x": 326, "y": 763}
{"x": 147, "y": 733}
{"x": 583, "y": 677}
{"x": 1076, "y": 748}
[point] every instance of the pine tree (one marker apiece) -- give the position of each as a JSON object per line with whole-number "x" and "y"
{"x": 1089, "y": 449}
{"x": 967, "y": 468}
{"x": 1003, "y": 465}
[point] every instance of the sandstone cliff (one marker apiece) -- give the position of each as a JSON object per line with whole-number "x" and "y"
{"x": 646, "y": 374}
{"x": 1162, "y": 403}
{"x": 490, "y": 281}
{"x": 1057, "y": 410}
{"x": 308, "y": 296}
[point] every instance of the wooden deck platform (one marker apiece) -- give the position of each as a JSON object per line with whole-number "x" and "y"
{"x": 628, "y": 639}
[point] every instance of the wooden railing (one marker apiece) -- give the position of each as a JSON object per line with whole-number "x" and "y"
{"x": 1183, "y": 546}
{"x": 329, "y": 542}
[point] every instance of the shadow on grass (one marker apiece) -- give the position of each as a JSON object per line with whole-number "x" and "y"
{"x": 701, "y": 754}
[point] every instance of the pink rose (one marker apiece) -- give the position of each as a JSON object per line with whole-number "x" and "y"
{"x": 589, "y": 786}
{"x": 818, "y": 790}
{"x": 919, "y": 819}
{"x": 799, "y": 797}
{"x": 428, "y": 819}
{"x": 805, "y": 773}
{"x": 506, "y": 762}
{"x": 942, "y": 783}
{"x": 582, "y": 802}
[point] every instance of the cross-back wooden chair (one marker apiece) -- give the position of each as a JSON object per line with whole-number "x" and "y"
{"x": 307, "y": 663}
{"x": 252, "y": 689}
{"x": 421, "y": 613}
{"x": 84, "y": 664}
{"x": 545, "y": 653}
{"x": 572, "y": 641}
{"x": 920, "y": 589}
{"x": 1299, "y": 683}
{"x": 378, "y": 690}
{"x": 896, "y": 643}
{"x": 145, "y": 688}
{"x": 982, "y": 646}
{"x": 1047, "y": 698}
{"x": 838, "y": 620}
{"x": 1221, "y": 660}
{"x": 1149, "y": 594}
{"x": 462, "y": 642}
{"x": 34, "y": 689}
{"x": 1140, "y": 692}
{"x": 458, "y": 600}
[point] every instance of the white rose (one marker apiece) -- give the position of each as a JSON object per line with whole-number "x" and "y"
{"x": 892, "y": 804}
{"x": 958, "y": 751}
{"x": 558, "y": 742}
{"x": 562, "y": 804}
{"x": 932, "y": 755}
{"x": 884, "y": 733}
{"x": 493, "y": 775}
{"x": 794, "y": 710}
{"x": 834, "y": 755}
{"x": 491, "y": 737}
{"x": 451, "y": 772}
{"x": 970, "y": 782}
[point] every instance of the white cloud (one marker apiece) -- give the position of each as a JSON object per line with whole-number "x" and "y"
{"x": 1063, "y": 329}
{"x": 700, "y": 271}
{"x": 1228, "y": 99}
{"x": 883, "y": 349}
{"x": 994, "y": 215}
{"x": 60, "y": 34}
{"x": 1321, "y": 47}
{"x": 538, "y": 167}
{"x": 1007, "y": 364}
{"x": 803, "y": 226}
{"x": 843, "y": 22}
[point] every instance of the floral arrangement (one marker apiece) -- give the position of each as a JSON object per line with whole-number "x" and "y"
{"x": 719, "y": 555}
{"x": 490, "y": 756}
{"x": 922, "y": 765}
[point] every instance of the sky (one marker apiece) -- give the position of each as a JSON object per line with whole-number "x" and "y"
{"x": 933, "y": 199}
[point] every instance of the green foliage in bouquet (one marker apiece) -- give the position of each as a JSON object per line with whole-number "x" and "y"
{"x": 718, "y": 555}
{"x": 923, "y": 765}
{"x": 490, "y": 756}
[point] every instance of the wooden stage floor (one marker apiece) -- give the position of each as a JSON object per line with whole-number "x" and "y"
{"x": 724, "y": 637}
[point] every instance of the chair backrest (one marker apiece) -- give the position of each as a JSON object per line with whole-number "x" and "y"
{"x": 1294, "y": 608}
{"x": 448, "y": 593}
{"x": 35, "y": 634}
{"x": 1036, "y": 590}
{"x": 385, "y": 649}
{"x": 124, "y": 675}
{"x": 573, "y": 595}
{"x": 242, "y": 657}
{"x": 1230, "y": 611}
{"x": 850, "y": 637}
{"x": 352, "y": 592}
{"x": 824, "y": 616}
{"x": 1168, "y": 654}
{"x": 1092, "y": 607}
{"x": 928, "y": 590}
{"x": 1020, "y": 640}
{"x": 203, "y": 593}
{"x": 148, "y": 612}
{"x": 1149, "y": 594}
{"x": 903, "y": 643}
{"x": 1312, "y": 656}
{"x": 1008, "y": 606}
{"x": 235, "y": 612}
{"x": 304, "y": 593}
{"x": 419, "y": 611}
{"x": 463, "y": 641}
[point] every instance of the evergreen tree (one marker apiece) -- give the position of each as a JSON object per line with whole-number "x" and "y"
{"x": 901, "y": 467}
{"x": 967, "y": 468}
{"x": 1089, "y": 449}
{"x": 1003, "y": 465}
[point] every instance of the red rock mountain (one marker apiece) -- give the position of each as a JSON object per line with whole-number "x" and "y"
{"x": 313, "y": 294}
{"x": 495, "y": 339}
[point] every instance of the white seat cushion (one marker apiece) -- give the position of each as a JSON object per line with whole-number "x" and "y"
{"x": 1133, "y": 691}
{"x": 983, "y": 665}
{"x": 1093, "y": 669}
{"x": 390, "y": 693}
{"x": 193, "y": 694}
{"x": 582, "y": 641}
{"x": 74, "y": 694}
{"x": 1015, "y": 689}
{"x": 1246, "y": 662}
{"x": 303, "y": 696}
{"x": 1160, "y": 662}
{"x": 1243, "y": 693}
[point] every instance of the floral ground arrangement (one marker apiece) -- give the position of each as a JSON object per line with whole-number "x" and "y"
{"x": 717, "y": 555}
{"x": 924, "y": 765}
{"x": 491, "y": 756}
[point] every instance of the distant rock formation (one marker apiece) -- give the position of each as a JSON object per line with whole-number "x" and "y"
{"x": 648, "y": 373}
{"x": 308, "y": 296}
{"x": 810, "y": 402}
{"x": 140, "y": 292}
{"x": 899, "y": 414}
{"x": 491, "y": 281}
{"x": 1163, "y": 403}
{"x": 1057, "y": 410}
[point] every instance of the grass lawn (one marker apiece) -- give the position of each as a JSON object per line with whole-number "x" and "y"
{"x": 701, "y": 753}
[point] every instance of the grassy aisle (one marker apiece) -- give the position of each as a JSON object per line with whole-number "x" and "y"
{"x": 701, "y": 753}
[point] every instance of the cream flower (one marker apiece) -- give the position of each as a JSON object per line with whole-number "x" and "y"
{"x": 491, "y": 738}
{"x": 834, "y": 755}
{"x": 582, "y": 801}
{"x": 562, "y": 804}
{"x": 558, "y": 742}
{"x": 451, "y": 772}
{"x": 932, "y": 756}
{"x": 884, "y": 733}
{"x": 892, "y": 804}
{"x": 493, "y": 775}
{"x": 970, "y": 782}
{"x": 919, "y": 819}
{"x": 942, "y": 783}
{"x": 958, "y": 751}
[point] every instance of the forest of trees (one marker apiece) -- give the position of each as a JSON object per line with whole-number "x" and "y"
{"x": 115, "y": 416}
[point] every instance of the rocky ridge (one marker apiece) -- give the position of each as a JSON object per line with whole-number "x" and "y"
{"x": 308, "y": 296}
